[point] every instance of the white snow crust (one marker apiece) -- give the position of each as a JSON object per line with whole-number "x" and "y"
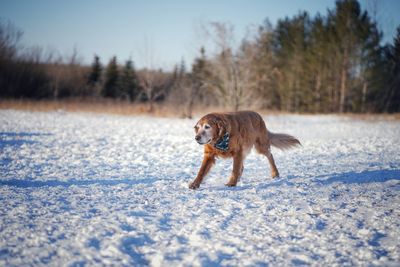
{"x": 82, "y": 189}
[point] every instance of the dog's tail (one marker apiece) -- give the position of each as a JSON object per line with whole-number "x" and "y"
{"x": 283, "y": 141}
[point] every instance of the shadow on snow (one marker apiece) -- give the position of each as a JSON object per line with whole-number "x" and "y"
{"x": 379, "y": 176}
{"x": 54, "y": 183}
{"x": 22, "y": 134}
{"x": 18, "y": 139}
{"x": 364, "y": 177}
{"x": 130, "y": 246}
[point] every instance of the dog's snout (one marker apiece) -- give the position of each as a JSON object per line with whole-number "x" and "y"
{"x": 198, "y": 137}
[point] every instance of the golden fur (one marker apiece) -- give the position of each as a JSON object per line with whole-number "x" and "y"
{"x": 246, "y": 130}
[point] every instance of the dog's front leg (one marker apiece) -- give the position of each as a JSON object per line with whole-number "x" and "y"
{"x": 206, "y": 165}
{"x": 237, "y": 169}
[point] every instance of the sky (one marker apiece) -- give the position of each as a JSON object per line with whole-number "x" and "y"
{"x": 154, "y": 33}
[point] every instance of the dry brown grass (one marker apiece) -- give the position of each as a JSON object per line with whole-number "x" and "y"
{"x": 100, "y": 105}
{"x": 87, "y": 105}
{"x": 372, "y": 116}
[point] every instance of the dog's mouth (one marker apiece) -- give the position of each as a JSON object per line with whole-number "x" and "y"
{"x": 201, "y": 143}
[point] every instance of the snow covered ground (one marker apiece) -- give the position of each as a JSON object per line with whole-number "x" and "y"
{"x": 88, "y": 189}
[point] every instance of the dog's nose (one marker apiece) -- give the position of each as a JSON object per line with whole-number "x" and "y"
{"x": 198, "y": 137}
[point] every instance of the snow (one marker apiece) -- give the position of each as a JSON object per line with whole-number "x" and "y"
{"x": 90, "y": 189}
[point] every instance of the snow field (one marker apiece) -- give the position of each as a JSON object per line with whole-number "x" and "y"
{"x": 88, "y": 189}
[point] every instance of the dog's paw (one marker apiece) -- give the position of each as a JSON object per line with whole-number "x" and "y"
{"x": 194, "y": 185}
{"x": 230, "y": 184}
{"x": 275, "y": 174}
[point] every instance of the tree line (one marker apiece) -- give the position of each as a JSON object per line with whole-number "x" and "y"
{"x": 321, "y": 64}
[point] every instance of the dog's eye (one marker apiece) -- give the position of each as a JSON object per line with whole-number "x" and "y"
{"x": 207, "y": 127}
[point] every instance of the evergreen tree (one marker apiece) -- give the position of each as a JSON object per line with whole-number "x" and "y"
{"x": 370, "y": 55}
{"x": 317, "y": 67}
{"x": 263, "y": 67}
{"x": 182, "y": 70}
{"x": 199, "y": 75}
{"x": 392, "y": 95}
{"x": 350, "y": 29}
{"x": 291, "y": 43}
{"x": 96, "y": 71}
{"x": 111, "y": 86}
{"x": 129, "y": 84}
{"x": 199, "y": 66}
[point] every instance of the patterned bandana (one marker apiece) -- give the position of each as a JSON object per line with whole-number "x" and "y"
{"x": 223, "y": 143}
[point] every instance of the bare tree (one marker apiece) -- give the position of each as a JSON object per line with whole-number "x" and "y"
{"x": 154, "y": 85}
{"x": 231, "y": 72}
{"x": 55, "y": 70}
{"x": 149, "y": 79}
{"x": 9, "y": 39}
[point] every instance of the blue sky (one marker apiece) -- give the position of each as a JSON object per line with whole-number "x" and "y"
{"x": 166, "y": 31}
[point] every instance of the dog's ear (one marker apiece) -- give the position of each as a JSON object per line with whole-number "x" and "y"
{"x": 222, "y": 128}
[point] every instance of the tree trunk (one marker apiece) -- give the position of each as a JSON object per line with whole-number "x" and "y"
{"x": 236, "y": 107}
{"x": 318, "y": 93}
{"x": 193, "y": 94}
{"x": 364, "y": 96}
{"x": 56, "y": 89}
{"x": 388, "y": 100}
{"x": 151, "y": 105}
{"x": 236, "y": 92}
{"x": 343, "y": 82}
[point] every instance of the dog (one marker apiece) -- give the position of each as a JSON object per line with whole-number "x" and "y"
{"x": 233, "y": 135}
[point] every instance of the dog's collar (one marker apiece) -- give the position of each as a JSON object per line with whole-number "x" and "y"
{"x": 223, "y": 143}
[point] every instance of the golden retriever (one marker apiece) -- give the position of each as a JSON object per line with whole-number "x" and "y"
{"x": 233, "y": 135}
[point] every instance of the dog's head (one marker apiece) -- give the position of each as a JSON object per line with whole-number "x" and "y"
{"x": 209, "y": 129}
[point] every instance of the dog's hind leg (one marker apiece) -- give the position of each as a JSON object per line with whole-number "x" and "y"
{"x": 274, "y": 170}
{"x": 264, "y": 148}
